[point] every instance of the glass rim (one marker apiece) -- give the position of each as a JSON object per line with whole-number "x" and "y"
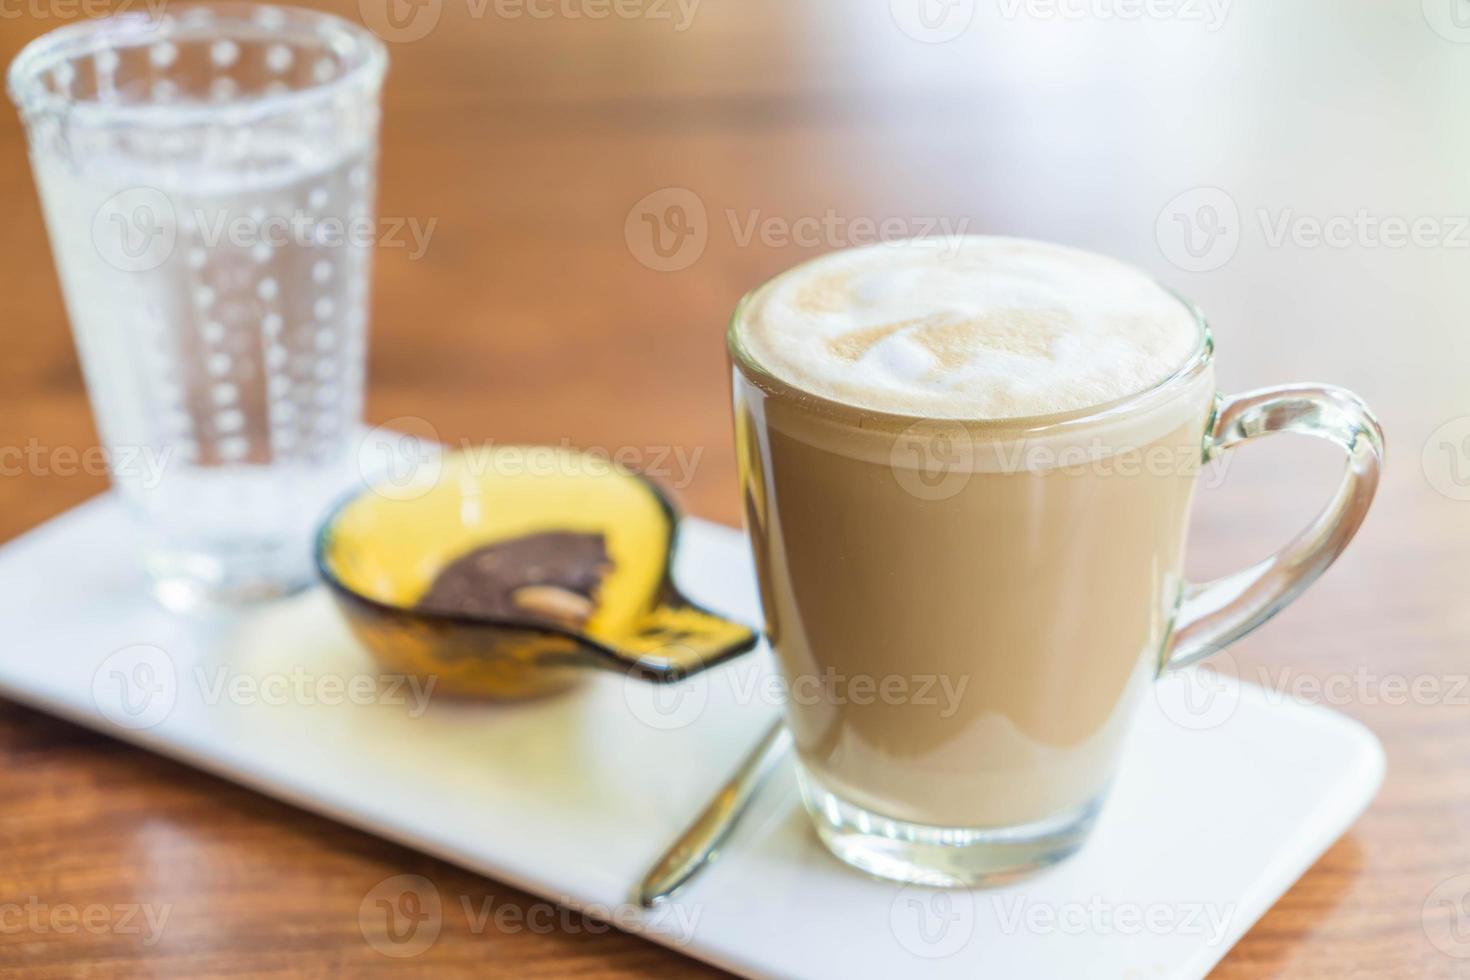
{"x": 367, "y": 61}
{"x": 763, "y": 377}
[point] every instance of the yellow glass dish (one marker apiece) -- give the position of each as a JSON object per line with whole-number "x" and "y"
{"x": 382, "y": 550}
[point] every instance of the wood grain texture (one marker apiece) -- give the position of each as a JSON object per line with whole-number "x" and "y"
{"x": 530, "y": 317}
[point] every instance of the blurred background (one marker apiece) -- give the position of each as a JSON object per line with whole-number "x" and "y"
{"x": 574, "y": 194}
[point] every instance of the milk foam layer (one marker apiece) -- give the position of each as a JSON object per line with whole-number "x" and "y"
{"x": 968, "y": 328}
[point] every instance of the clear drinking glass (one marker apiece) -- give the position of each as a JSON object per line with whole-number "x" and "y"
{"x": 207, "y": 178}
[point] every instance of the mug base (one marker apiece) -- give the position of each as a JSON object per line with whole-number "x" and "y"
{"x": 942, "y": 857}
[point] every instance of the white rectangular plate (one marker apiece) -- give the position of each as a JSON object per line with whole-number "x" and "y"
{"x": 1221, "y": 803}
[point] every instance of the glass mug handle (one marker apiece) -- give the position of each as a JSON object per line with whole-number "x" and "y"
{"x": 1216, "y": 614}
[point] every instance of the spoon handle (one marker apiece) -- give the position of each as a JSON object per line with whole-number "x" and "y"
{"x": 698, "y": 845}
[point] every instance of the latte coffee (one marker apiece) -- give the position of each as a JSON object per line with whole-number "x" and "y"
{"x": 981, "y": 329}
{"x": 967, "y": 469}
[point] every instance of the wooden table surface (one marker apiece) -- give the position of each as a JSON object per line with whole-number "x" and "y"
{"x": 545, "y": 143}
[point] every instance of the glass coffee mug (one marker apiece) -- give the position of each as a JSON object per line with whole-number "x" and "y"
{"x": 966, "y": 613}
